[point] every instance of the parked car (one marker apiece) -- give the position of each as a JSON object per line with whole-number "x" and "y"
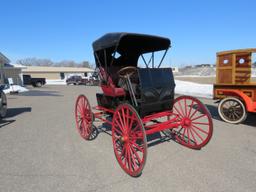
{"x": 93, "y": 80}
{"x": 3, "y": 102}
{"x": 35, "y": 82}
{"x": 76, "y": 80}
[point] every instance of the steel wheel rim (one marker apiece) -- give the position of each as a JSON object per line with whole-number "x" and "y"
{"x": 196, "y": 126}
{"x": 83, "y": 116}
{"x": 129, "y": 140}
{"x": 232, "y": 110}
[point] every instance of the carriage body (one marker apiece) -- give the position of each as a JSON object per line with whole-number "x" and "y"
{"x": 139, "y": 101}
{"x": 151, "y": 89}
{"x": 234, "y": 86}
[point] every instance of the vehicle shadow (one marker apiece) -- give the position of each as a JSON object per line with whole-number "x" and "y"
{"x": 12, "y": 112}
{"x": 250, "y": 121}
{"x": 41, "y": 93}
{"x": 152, "y": 140}
{"x": 4, "y": 122}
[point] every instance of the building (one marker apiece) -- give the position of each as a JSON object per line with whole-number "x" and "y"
{"x": 13, "y": 71}
{"x": 8, "y": 71}
{"x": 55, "y": 73}
{"x": 3, "y": 60}
{"x": 175, "y": 69}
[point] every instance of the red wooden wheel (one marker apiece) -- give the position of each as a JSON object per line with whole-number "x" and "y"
{"x": 196, "y": 126}
{"x": 84, "y": 118}
{"x": 129, "y": 140}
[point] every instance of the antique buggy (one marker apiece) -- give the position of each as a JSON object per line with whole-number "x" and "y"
{"x": 234, "y": 86}
{"x": 138, "y": 102}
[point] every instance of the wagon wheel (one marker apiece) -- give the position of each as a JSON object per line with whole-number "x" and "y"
{"x": 232, "y": 110}
{"x": 84, "y": 117}
{"x": 129, "y": 140}
{"x": 196, "y": 125}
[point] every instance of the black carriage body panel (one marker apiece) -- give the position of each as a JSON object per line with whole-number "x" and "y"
{"x": 157, "y": 90}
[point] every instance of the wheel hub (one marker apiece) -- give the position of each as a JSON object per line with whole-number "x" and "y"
{"x": 186, "y": 122}
{"x": 124, "y": 139}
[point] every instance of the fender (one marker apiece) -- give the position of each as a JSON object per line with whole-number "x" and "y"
{"x": 250, "y": 106}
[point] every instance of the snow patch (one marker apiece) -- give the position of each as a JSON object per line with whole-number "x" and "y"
{"x": 194, "y": 89}
{"x": 15, "y": 88}
{"x": 55, "y": 82}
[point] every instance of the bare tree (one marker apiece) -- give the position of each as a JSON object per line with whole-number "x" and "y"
{"x": 35, "y": 62}
{"x": 47, "y": 62}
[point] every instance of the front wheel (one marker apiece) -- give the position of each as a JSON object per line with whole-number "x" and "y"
{"x": 232, "y": 110}
{"x": 129, "y": 140}
{"x": 196, "y": 127}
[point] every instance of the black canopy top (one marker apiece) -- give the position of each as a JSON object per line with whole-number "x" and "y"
{"x": 138, "y": 42}
{"x": 129, "y": 45}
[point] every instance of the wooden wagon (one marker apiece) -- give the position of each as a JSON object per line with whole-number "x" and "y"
{"x": 234, "y": 86}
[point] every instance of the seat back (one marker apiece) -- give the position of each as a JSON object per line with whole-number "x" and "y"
{"x": 108, "y": 86}
{"x": 157, "y": 90}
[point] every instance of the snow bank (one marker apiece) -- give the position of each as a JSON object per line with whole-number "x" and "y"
{"x": 194, "y": 89}
{"x": 182, "y": 87}
{"x": 15, "y": 88}
{"x": 55, "y": 82}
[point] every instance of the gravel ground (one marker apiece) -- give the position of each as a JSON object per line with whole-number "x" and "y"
{"x": 41, "y": 150}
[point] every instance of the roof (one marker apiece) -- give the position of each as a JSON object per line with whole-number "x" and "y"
{"x": 44, "y": 69}
{"x": 11, "y": 65}
{"x": 3, "y": 58}
{"x": 138, "y": 42}
{"x": 250, "y": 50}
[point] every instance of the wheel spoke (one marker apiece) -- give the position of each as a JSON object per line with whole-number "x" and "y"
{"x": 192, "y": 129}
{"x": 203, "y": 115}
{"x": 191, "y": 106}
{"x": 196, "y": 110}
{"x": 116, "y": 124}
{"x": 194, "y": 126}
{"x": 121, "y": 121}
{"x": 177, "y": 111}
{"x": 181, "y": 109}
{"x": 200, "y": 123}
{"x": 194, "y": 139}
{"x": 137, "y": 146}
{"x": 185, "y": 107}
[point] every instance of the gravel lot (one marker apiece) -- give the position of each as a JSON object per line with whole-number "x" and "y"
{"x": 41, "y": 150}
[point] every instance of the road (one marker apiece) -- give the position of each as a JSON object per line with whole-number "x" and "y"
{"x": 41, "y": 150}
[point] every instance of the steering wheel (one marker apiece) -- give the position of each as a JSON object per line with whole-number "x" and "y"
{"x": 127, "y": 71}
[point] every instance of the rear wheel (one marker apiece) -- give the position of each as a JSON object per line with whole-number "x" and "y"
{"x": 196, "y": 126}
{"x": 84, "y": 117}
{"x": 232, "y": 110}
{"x": 129, "y": 140}
{"x": 39, "y": 84}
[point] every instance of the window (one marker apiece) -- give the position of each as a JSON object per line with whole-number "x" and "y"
{"x": 62, "y": 75}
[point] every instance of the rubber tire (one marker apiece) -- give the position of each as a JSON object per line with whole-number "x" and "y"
{"x": 3, "y": 110}
{"x": 39, "y": 84}
{"x": 237, "y": 100}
